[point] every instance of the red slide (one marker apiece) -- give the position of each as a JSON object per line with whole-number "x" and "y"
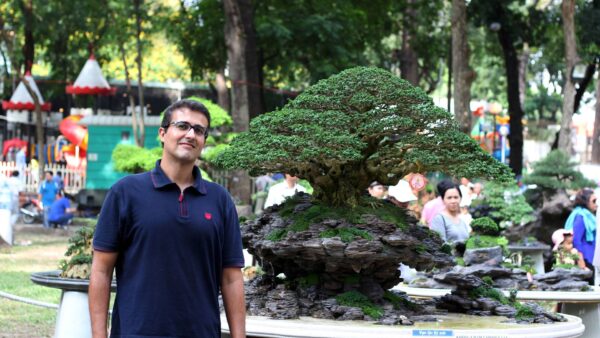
{"x": 74, "y": 133}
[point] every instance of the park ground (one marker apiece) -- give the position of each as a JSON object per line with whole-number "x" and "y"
{"x": 35, "y": 249}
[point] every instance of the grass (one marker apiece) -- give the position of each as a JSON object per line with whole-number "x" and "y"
{"x": 16, "y": 264}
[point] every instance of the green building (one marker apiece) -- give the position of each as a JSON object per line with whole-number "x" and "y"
{"x": 104, "y": 134}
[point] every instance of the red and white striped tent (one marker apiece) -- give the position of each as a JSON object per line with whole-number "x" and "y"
{"x": 91, "y": 81}
{"x": 21, "y": 100}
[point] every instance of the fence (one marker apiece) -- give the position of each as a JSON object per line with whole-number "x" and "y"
{"x": 74, "y": 179}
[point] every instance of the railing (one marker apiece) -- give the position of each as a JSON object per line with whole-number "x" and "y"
{"x": 74, "y": 179}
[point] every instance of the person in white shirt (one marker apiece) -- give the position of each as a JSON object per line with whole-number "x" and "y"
{"x": 278, "y": 192}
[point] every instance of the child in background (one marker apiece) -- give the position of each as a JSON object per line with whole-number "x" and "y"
{"x": 564, "y": 252}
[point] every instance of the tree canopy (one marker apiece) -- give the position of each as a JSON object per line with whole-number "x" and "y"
{"x": 361, "y": 125}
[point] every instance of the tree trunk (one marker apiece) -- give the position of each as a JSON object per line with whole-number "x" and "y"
{"x": 587, "y": 79}
{"x": 409, "y": 60}
{"x": 29, "y": 46}
{"x": 138, "y": 23}
{"x": 222, "y": 91}
{"x": 134, "y": 122}
{"x": 240, "y": 39}
{"x": 568, "y": 16}
{"x": 39, "y": 128}
{"x": 596, "y": 135}
{"x": 523, "y": 61}
{"x": 463, "y": 75}
{"x": 511, "y": 63}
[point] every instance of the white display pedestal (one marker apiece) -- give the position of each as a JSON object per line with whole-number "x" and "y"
{"x": 453, "y": 325}
{"x": 6, "y": 230}
{"x": 583, "y": 304}
{"x": 73, "y": 317}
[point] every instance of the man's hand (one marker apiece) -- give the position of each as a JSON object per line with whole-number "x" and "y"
{"x": 99, "y": 291}
{"x": 232, "y": 289}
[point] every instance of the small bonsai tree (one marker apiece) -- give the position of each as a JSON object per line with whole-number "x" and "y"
{"x": 361, "y": 125}
{"x": 556, "y": 173}
{"x": 504, "y": 204}
{"x": 485, "y": 226}
{"x": 486, "y": 234}
{"x": 78, "y": 263}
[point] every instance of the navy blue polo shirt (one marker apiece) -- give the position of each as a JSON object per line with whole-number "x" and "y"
{"x": 172, "y": 249}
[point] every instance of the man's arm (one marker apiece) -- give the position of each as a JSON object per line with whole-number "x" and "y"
{"x": 99, "y": 291}
{"x": 232, "y": 289}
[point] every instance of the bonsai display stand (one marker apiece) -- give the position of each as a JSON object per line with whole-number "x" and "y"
{"x": 73, "y": 317}
{"x": 535, "y": 252}
{"x": 583, "y": 304}
{"x": 452, "y": 325}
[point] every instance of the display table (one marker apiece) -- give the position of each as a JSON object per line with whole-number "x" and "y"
{"x": 73, "y": 316}
{"x": 583, "y": 304}
{"x": 535, "y": 252}
{"x": 453, "y": 325}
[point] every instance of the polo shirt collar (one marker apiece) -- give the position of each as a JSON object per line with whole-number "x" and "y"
{"x": 160, "y": 179}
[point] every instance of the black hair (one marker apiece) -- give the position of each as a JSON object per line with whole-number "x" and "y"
{"x": 14, "y": 173}
{"x": 446, "y": 185}
{"x": 583, "y": 197}
{"x": 185, "y": 103}
{"x": 49, "y": 172}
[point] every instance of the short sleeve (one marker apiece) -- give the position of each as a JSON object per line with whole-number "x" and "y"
{"x": 437, "y": 225}
{"x": 232, "y": 244}
{"x": 107, "y": 235}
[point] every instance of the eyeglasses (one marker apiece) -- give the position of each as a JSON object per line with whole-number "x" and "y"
{"x": 185, "y": 126}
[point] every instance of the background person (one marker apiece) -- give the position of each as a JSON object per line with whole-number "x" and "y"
{"x": 377, "y": 190}
{"x": 280, "y": 191}
{"x": 60, "y": 211}
{"x": 564, "y": 252}
{"x": 582, "y": 221}
{"x": 47, "y": 194}
{"x": 448, "y": 222}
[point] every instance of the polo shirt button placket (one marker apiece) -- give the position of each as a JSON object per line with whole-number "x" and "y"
{"x": 182, "y": 208}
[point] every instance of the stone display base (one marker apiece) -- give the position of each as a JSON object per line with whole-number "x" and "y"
{"x": 452, "y": 325}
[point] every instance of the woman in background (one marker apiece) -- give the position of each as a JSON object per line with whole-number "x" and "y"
{"x": 582, "y": 221}
{"x": 448, "y": 223}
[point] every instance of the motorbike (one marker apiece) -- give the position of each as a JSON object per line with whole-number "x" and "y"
{"x": 31, "y": 211}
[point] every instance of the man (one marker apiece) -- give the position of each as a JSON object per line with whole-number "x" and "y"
{"x": 60, "y": 211}
{"x": 59, "y": 180}
{"x": 174, "y": 240}
{"x": 47, "y": 194}
{"x": 280, "y": 191}
{"x": 377, "y": 190}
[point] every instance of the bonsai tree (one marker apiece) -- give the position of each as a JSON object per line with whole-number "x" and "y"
{"x": 556, "y": 173}
{"x": 504, "y": 204}
{"x": 361, "y": 125}
{"x": 342, "y": 133}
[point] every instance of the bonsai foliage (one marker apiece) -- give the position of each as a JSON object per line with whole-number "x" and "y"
{"x": 361, "y": 125}
{"x": 504, "y": 204}
{"x": 485, "y": 226}
{"x": 556, "y": 172}
{"x": 486, "y": 233}
{"x": 79, "y": 254}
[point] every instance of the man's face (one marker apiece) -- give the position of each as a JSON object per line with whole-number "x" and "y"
{"x": 183, "y": 146}
{"x": 291, "y": 179}
{"x": 48, "y": 177}
{"x": 377, "y": 191}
